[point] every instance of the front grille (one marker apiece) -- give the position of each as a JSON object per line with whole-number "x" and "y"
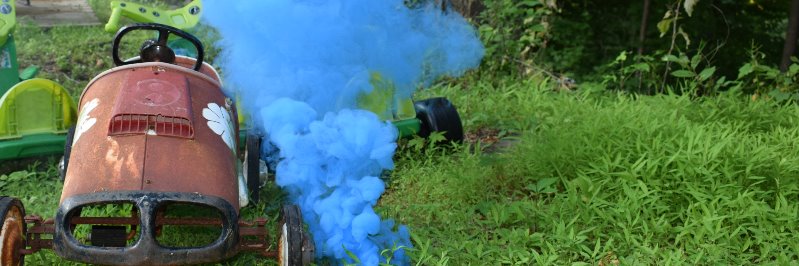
{"x": 129, "y": 124}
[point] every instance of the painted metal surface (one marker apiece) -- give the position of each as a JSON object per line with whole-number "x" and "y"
{"x": 205, "y": 164}
{"x": 153, "y": 104}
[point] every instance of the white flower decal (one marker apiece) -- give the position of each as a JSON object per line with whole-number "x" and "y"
{"x": 85, "y": 122}
{"x": 219, "y": 121}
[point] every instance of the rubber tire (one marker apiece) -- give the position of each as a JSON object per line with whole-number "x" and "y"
{"x": 439, "y": 115}
{"x": 292, "y": 219}
{"x": 62, "y": 173}
{"x": 6, "y": 203}
{"x": 252, "y": 169}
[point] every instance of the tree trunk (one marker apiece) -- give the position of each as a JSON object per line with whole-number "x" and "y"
{"x": 642, "y": 32}
{"x": 791, "y": 36}
{"x": 468, "y": 8}
{"x": 641, "y": 39}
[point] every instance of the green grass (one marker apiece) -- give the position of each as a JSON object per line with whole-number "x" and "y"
{"x": 605, "y": 178}
{"x": 593, "y": 178}
{"x": 70, "y": 56}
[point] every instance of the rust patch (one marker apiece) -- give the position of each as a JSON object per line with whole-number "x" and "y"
{"x": 11, "y": 237}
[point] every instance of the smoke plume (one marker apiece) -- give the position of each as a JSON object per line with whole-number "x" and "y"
{"x": 298, "y": 67}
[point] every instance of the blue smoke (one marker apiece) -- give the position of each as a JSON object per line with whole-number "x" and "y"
{"x": 299, "y": 65}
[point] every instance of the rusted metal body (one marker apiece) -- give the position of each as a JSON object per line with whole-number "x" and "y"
{"x": 153, "y": 156}
{"x": 150, "y": 160}
{"x": 152, "y": 134}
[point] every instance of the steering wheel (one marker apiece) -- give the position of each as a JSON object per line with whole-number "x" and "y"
{"x": 156, "y": 51}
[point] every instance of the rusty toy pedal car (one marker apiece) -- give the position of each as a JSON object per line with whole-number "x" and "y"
{"x": 156, "y": 138}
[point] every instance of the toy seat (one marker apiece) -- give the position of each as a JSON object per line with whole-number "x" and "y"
{"x": 34, "y": 116}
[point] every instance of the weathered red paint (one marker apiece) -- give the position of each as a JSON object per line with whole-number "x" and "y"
{"x": 147, "y": 161}
{"x": 150, "y": 103}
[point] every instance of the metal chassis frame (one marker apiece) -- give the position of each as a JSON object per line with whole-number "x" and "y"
{"x": 236, "y": 235}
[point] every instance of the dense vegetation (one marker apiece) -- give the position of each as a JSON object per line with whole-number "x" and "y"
{"x": 717, "y": 46}
{"x": 625, "y": 166}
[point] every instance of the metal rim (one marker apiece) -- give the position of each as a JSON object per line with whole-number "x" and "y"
{"x": 11, "y": 236}
{"x": 282, "y": 248}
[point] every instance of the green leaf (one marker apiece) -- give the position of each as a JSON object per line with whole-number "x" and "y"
{"x": 689, "y": 6}
{"x": 664, "y": 25}
{"x": 622, "y": 57}
{"x": 417, "y": 143}
{"x": 530, "y": 3}
{"x": 641, "y": 67}
{"x": 779, "y": 95}
{"x": 684, "y": 36}
{"x": 352, "y": 255}
{"x": 706, "y": 73}
{"x": 671, "y": 58}
{"x": 772, "y": 73}
{"x": 436, "y": 137}
{"x": 683, "y": 74}
{"x": 528, "y": 20}
{"x": 667, "y": 15}
{"x": 744, "y": 70}
{"x": 695, "y": 61}
{"x": 682, "y": 60}
{"x": 29, "y": 73}
{"x": 737, "y": 86}
{"x": 793, "y": 69}
{"x": 538, "y": 28}
{"x": 721, "y": 83}
{"x": 546, "y": 182}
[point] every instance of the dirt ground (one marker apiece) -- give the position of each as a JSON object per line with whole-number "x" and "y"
{"x": 49, "y": 13}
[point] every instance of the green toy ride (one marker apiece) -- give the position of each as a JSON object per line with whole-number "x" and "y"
{"x": 183, "y": 18}
{"x": 412, "y": 118}
{"x": 35, "y": 113}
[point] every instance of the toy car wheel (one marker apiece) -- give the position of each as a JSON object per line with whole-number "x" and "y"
{"x": 294, "y": 247}
{"x": 64, "y": 163}
{"x": 252, "y": 166}
{"x": 12, "y": 236}
{"x": 439, "y": 115}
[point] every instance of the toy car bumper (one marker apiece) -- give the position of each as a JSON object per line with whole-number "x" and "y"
{"x": 146, "y": 250}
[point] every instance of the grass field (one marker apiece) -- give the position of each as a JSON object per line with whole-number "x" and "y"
{"x": 591, "y": 178}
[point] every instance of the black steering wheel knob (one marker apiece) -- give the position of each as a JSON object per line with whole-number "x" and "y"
{"x": 157, "y": 53}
